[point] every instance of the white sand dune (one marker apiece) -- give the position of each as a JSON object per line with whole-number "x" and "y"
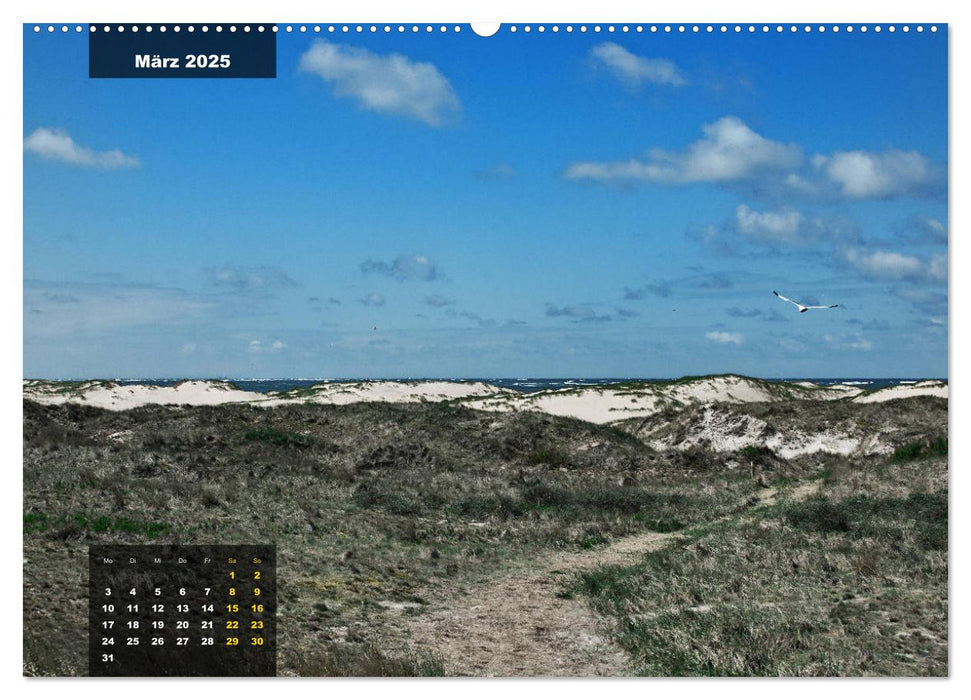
{"x": 618, "y": 402}
{"x": 116, "y": 397}
{"x": 721, "y": 430}
{"x": 604, "y": 404}
{"x": 388, "y": 391}
{"x": 903, "y": 391}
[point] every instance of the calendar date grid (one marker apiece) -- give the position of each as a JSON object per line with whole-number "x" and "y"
{"x": 182, "y": 610}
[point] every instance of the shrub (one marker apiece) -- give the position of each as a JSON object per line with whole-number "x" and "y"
{"x": 274, "y": 436}
{"x": 916, "y": 450}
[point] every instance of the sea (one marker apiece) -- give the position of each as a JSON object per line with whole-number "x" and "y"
{"x": 524, "y": 385}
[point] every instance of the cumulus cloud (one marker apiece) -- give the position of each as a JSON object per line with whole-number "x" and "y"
{"x": 773, "y": 230}
{"x": 729, "y": 151}
{"x": 783, "y": 226}
{"x": 636, "y": 70}
{"x": 384, "y": 83}
{"x": 732, "y": 155}
{"x": 57, "y": 144}
{"x": 862, "y": 174}
{"x": 725, "y": 337}
{"x": 404, "y": 267}
{"x": 583, "y": 314}
{"x": 891, "y": 265}
{"x": 249, "y": 278}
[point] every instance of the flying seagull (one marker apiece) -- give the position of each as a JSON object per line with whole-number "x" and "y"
{"x": 802, "y": 307}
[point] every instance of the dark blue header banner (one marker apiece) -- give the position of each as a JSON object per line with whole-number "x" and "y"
{"x": 182, "y": 51}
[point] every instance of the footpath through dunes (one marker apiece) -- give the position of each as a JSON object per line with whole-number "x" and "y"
{"x": 521, "y": 624}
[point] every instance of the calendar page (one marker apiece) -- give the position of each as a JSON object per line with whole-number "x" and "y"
{"x": 525, "y": 349}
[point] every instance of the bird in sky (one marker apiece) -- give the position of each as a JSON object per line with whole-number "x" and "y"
{"x": 803, "y": 308}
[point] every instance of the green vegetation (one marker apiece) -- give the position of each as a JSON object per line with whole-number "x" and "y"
{"x": 273, "y": 436}
{"x": 366, "y": 502}
{"x": 918, "y": 449}
{"x": 831, "y": 585}
{"x": 393, "y": 502}
{"x": 77, "y": 525}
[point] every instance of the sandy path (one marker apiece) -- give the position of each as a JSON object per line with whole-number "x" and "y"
{"x": 516, "y": 625}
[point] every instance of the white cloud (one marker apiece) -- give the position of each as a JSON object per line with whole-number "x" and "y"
{"x": 634, "y": 69}
{"x": 862, "y": 174}
{"x": 732, "y": 155}
{"x": 256, "y": 346}
{"x": 57, "y": 144}
{"x": 385, "y": 83}
{"x": 937, "y": 267}
{"x": 937, "y": 227}
{"x": 783, "y": 226}
{"x": 890, "y": 265}
{"x": 729, "y": 151}
{"x": 725, "y": 337}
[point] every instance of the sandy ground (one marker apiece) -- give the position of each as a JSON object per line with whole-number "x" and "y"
{"x": 605, "y": 405}
{"x": 209, "y": 393}
{"x": 722, "y": 431}
{"x": 517, "y": 625}
{"x": 904, "y": 391}
{"x": 593, "y": 404}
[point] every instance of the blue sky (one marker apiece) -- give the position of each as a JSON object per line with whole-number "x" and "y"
{"x": 410, "y": 205}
